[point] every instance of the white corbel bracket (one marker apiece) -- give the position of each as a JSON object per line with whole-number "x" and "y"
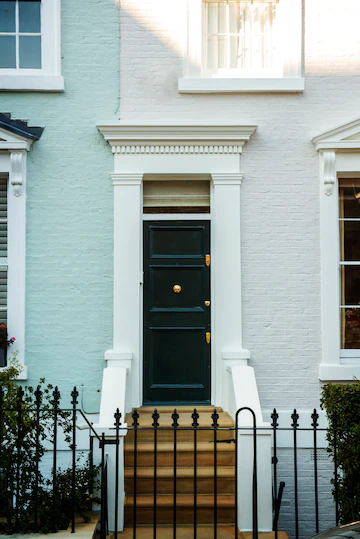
{"x": 17, "y": 171}
{"x": 329, "y": 172}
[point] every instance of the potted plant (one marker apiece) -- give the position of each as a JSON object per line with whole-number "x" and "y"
{"x": 4, "y": 344}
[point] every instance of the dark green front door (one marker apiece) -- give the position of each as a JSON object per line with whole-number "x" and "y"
{"x": 176, "y": 318}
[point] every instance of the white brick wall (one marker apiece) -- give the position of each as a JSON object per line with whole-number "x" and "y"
{"x": 280, "y": 192}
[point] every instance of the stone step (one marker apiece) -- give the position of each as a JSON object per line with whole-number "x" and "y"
{"x": 184, "y": 480}
{"x": 182, "y": 435}
{"x": 184, "y": 509}
{"x": 185, "y": 454}
{"x": 186, "y": 532}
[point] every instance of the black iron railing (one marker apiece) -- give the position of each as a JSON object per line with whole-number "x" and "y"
{"x": 47, "y": 419}
{"x": 31, "y": 425}
{"x": 294, "y": 430}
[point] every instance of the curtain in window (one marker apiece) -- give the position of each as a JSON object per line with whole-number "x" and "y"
{"x": 240, "y": 35}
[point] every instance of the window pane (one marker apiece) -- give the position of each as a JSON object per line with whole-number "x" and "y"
{"x": 7, "y": 16}
{"x": 234, "y": 51}
{"x": 234, "y": 18}
{"x": 30, "y": 52}
{"x": 350, "y": 328}
{"x": 351, "y": 285}
{"x": 222, "y": 52}
{"x": 7, "y": 52}
{"x": 222, "y": 18}
{"x": 29, "y": 17}
{"x": 349, "y": 198}
{"x": 212, "y": 18}
{"x": 350, "y": 232}
{"x": 212, "y": 45}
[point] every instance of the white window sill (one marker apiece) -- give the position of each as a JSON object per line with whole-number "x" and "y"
{"x": 339, "y": 373}
{"x": 22, "y": 376}
{"x": 233, "y": 85}
{"x": 31, "y": 83}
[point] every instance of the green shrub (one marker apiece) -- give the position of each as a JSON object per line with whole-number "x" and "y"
{"x": 342, "y": 405}
{"x": 22, "y": 444}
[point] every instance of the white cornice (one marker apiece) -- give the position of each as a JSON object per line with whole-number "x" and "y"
{"x": 337, "y": 138}
{"x": 177, "y": 137}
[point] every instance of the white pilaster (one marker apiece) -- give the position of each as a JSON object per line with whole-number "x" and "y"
{"x": 226, "y": 274}
{"x": 16, "y": 252}
{"x": 127, "y": 266}
{"x": 329, "y": 223}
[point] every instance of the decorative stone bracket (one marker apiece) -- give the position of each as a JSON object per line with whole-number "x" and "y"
{"x": 17, "y": 171}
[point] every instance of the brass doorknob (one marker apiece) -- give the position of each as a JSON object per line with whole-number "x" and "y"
{"x": 177, "y": 288}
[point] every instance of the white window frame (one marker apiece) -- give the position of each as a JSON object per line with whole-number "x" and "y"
{"x": 48, "y": 78}
{"x": 13, "y": 155}
{"x": 195, "y": 80}
{"x": 339, "y": 157}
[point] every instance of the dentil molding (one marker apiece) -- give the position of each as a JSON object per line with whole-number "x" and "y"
{"x": 175, "y": 138}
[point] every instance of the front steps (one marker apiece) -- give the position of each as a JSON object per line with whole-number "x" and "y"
{"x": 184, "y": 467}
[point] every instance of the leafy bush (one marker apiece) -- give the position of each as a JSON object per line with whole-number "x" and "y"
{"x": 342, "y": 405}
{"x": 22, "y": 445}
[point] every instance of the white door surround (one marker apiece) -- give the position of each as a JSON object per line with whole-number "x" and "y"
{"x": 196, "y": 151}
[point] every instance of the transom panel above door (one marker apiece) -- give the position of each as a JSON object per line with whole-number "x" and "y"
{"x": 176, "y": 312}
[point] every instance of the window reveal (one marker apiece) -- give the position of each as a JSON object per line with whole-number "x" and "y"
{"x": 20, "y": 34}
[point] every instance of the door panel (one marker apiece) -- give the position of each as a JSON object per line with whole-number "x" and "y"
{"x": 176, "y": 354}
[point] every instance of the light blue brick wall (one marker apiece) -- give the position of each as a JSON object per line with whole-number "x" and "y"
{"x": 70, "y": 205}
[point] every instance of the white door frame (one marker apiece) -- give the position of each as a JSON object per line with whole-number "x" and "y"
{"x": 204, "y": 150}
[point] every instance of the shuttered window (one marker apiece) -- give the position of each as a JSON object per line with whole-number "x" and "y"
{"x": 3, "y": 250}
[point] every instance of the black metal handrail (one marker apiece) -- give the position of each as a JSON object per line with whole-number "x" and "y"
{"x": 104, "y": 491}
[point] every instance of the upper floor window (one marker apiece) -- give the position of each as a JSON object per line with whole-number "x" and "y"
{"x": 20, "y": 34}
{"x": 349, "y": 222}
{"x": 243, "y": 45}
{"x": 30, "y": 45}
{"x": 241, "y": 38}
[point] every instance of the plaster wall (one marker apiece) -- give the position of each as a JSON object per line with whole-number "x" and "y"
{"x": 280, "y": 190}
{"x": 69, "y": 282}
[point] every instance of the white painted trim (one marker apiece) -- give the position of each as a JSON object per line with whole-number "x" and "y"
{"x": 14, "y": 166}
{"x": 32, "y": 83}
{"x": 48, "y": 78}
{"x": 240, "y": 85}
{"x": 338, "y": 157}
{"x": 223, "y": 170}
{"x": 176, "y": 216}
{"x": 141, "y": 137}
{"x": 339, "y": 373}
{"x": 194, "y": 70}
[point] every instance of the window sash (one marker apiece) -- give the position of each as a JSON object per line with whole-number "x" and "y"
{"x": 251, "y": 47}
{"x": 18, "y": 34}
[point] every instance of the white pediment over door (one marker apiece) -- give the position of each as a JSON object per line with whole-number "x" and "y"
{"x": 11, "y": 141}
{"x": 342, "y": 137}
